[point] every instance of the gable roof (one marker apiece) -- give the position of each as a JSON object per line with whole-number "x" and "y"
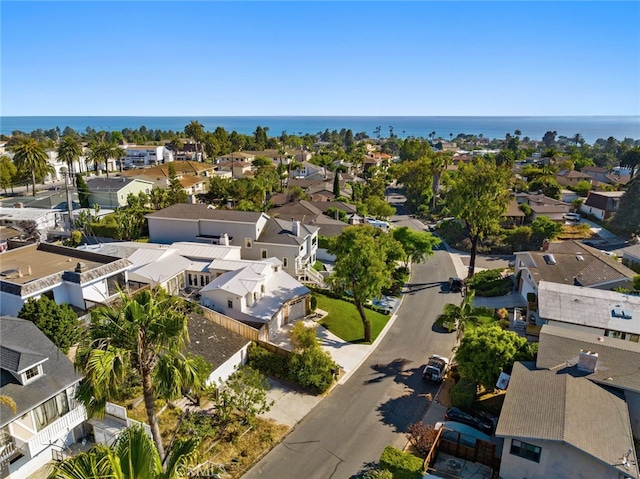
{"x": 552, "y": 406}
{"x": 575, "y": 263}
{"x": 17, "y": 360}
{"x": 30, "y": 344}
{"x": 112, "y": 183}
{"x": 573, "y": 174}
{"x": 600, "y": 199}
{"x": 618, "y": 359}
{"x": 185, "y": 211}
{"x": 213, "y": 342}
{"x": 280, "y": 232}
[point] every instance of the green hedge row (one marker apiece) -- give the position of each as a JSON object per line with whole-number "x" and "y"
{"x": 464, "y": 393}
{"x": 401, "y": 464}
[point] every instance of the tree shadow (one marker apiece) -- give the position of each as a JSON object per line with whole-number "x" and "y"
{"x": 393, "y": 369}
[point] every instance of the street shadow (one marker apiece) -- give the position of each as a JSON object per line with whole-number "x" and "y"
{"x": 368, "y": 470}
{"x": 393, "y": 369}
{"x": 413, "y": 287}
{"x": 400, "y": 412}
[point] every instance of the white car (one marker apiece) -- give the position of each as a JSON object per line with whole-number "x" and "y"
{"x": 572, "y": 216}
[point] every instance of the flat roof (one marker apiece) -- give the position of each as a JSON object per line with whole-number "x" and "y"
{"x": 35, "y": 263}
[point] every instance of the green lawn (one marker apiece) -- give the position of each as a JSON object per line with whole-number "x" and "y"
{"x": 344, "y": 321}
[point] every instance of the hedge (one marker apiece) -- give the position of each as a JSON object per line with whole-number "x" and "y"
{"x": 401, "y": 464}
{"x": 464, "y": 393}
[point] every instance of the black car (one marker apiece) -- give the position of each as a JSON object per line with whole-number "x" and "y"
{"x": 456, "y": 285}
{"x": 481, "y": 422}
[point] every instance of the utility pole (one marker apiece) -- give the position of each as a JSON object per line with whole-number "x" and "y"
{"x": 69, "y": 203}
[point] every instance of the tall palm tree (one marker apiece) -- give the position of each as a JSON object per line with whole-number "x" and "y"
{"x": 132, "y": 456}
{"x": 439, "y": 164}
{"x": 69, "y": 150}
{"x": 195, "y": 130}
{"x": 31, "y": 156}
{"x": 146, "y": 333}
{"x": 631, "y": 159}
{"x": 454, "y": 316}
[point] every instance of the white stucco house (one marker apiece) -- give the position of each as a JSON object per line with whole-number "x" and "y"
{"x": 65, "y": 275}
{"x": 42, "y": 381}
{"x": 258, "y": 293}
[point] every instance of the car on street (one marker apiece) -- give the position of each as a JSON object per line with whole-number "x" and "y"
{"x": 480, "y": 421}
{"x": 456, "y": 285}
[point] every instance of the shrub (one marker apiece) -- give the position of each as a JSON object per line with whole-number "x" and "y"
{"x": 463, "y": 394}
{"x": 267, "y": 362}
{"x": 312, "y": 369}
{"x": 401, "y": 464}
{"x": 57, "y": 321}
{"x": 313, "y": 302}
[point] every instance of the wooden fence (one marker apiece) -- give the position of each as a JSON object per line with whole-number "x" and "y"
{"x": 233, "y": 325}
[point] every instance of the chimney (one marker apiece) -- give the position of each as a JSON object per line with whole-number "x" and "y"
{"x": 295, "y": 227}
{"x": 587, "y": 361}
{"x": 80, "y": 267}
{"x": 545, "y": 245}
{"x": 224, "y": 239}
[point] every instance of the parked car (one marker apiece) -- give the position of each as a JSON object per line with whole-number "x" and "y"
{"x": 480, "y": 421}
{"x": 456, "y": 285}
{"x": 572, "y": 216}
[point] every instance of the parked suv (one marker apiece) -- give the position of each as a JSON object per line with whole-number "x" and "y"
{"x": 480, "y": 421}
{"x": 572, "y": 216}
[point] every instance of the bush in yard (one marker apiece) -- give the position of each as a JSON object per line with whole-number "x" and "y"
{"x": 57, "y": 321}
{"x": 422, "y": 437}
{"x": 312, "y": 369}
{"x": 401, "y": 464}
{"x": 463, "y": 394}
{"x": 267, "y": 362}
{"x": 313, "y": 302}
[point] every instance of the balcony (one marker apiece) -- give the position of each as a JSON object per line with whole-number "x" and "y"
{"x": 52, "y": 433}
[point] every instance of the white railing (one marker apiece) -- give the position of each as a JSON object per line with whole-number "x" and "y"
{"x": 54, "y": 431}
{"x": 120, "y": 412}
{"x": 311, "y": 274}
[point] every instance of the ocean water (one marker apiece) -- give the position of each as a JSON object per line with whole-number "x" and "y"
{"x": 590, "y": 127}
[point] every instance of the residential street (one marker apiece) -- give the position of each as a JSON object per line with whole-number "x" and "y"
{"x": 351, "y": 426}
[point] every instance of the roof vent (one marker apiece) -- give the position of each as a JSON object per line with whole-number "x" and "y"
{"x": 549, "y": 259}
{"x": 579, "y": 257}
{"x": 587, "y": 361}
{"x": 81, "y": 267}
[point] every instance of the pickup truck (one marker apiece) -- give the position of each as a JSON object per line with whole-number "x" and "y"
{"x": 436, "y": 369}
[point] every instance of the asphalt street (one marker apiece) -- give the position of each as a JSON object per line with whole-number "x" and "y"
{"x": 351, "y": 426}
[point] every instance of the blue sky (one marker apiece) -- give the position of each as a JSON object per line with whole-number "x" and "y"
{"x": 223, "y": 58}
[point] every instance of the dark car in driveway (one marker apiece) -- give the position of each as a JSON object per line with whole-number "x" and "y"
{"x": 481, "y": 422}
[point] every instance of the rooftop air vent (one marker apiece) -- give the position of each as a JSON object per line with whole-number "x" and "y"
{"x": 549, "y": 259}
{"x": 618, "y": 312}
{"x": 579, "y": 257}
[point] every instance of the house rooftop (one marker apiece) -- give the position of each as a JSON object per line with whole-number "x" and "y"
{"x": 552, "y": 406}
{"x": 618, "y": 359}
{"x": 595, "y": 308}
{"x": 31, "y": 268}
{"x": 22, "y": 336}
{"x": 280, "y": 231}
{"x": 113, "y": 183}
{"x": 184, "y": 211}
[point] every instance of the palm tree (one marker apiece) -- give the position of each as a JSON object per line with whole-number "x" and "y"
{"x": 69, "y": 150}
{"x": 98, "y": 154}
{"x": 631, "y": 159}
{"x": 31, "y": 156}
{"x": 454, "y": 316}
{"x": 132, "y": 456}
{"x": 195, "y": 130}
{"x": 439, "y": 165}
{"x": 9, "y": 402}
{"x": 145, "y": 333}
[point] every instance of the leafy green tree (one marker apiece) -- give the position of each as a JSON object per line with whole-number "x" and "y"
{"x": 132, "y": 456}
{"x": 479, "y": 197}
{"x": 336, "y": 184}
{"x": 415, "y": 176}
{"x": 439, "y": 163}
{"x": 146, "y": 332}
{"x": 548, "y": 185}
{"x": 626, "y": 221}
{"x": 362, "y": 266}
{"x": 486, "y": 351}
{"x": 519, "y": 238}
{"x": 636, "y": 282}
{"x": 246, "y": 390}
{"x": 31, "y": 156}
{"x": 378, "y": 207}
{"x": 582, "y": 188}
{"x": 58, "y": 322}
{"x": 8, "y": 172}
{"x": 176, "y": 191}
{"x": 69, "y": 151}
{"x": 83, "y": 191}
{"x": 545, "y": 228}
{"x": 416, "y": 245}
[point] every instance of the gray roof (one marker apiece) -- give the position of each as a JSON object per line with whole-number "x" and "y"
{"x": 576, "y": 263}
{"x": 594, "y": 308}
{"x": 280, "y": 232}
{"x": 552, "y": 406}
{"x": 213, "y": 342}
{"x": 184, "y": 211}
{"x": 23, "y": 337}
{"x": 111, "y": 184}
{"x": 618, "y": 360}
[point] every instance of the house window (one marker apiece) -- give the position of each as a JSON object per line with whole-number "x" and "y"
{"x": 263, "y": 253}
{"x": 247, "y": 242}
{"x": 189, "y": 279}
{"x": 201, "y": 280}
{"x": 634, "y": 338}
{"x": 51, "y": 410}
{"x": 285, "y": 262}
{"x": 230, "y": 303}
{"x": 32, "y": 372}
{"x": 262, "y": 291}
{"x": 527, "y": 451}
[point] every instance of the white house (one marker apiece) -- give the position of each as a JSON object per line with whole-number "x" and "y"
{"x": 602, "y": 312}
{"x": 113, "y": 192}
{"x": 42, "y": 381}
{"x": 65, "y": 275}
{"x": 146, "y": 155}
{"x": 45, "y": 221}
{"x": 255, "y": 292}
{"x": 602, "y": 204}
